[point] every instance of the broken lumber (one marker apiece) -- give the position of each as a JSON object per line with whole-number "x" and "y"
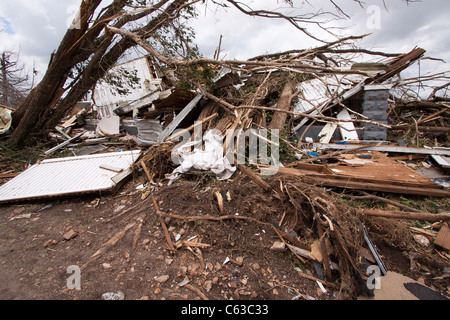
{"x": 65, "y": 143}
{"x": 163, "y": 224}
{"x": 284, "y": 103}
{"x": 443, "y": 237}
{"x": 197, "y": 291}
{"x": 180, "y": 117}
{"x": 425, "y": 216}
{"x": 9, "y": 175}
{"x": 254, "y": 177}
{"x": 147, "y": 173}
{"x": 347, "y": 183}
{"x": 396, "y": 149}
{"x": 112, "y": 241}
{"x": 367, "y": 183}
{"x": 197, "y": 123}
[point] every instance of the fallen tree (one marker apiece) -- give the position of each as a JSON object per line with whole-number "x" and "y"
{"x": 88, "y": 50}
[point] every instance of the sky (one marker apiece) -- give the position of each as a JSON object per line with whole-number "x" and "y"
{"x": 35, "y": 28}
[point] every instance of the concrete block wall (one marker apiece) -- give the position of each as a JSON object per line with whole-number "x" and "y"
{"x": 375, "y": 106}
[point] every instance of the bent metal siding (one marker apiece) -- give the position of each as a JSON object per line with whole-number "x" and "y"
{"x": 71, "y": 175}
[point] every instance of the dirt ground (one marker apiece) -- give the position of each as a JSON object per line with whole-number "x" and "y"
{"x": 40, "y": 240}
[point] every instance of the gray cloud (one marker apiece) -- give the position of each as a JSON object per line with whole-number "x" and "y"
{"x": 37, "y": 27}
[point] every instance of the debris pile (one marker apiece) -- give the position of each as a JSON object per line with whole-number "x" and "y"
{"x": 307, "y": 132}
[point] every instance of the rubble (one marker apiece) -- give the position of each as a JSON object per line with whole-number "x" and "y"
{"x": 349, "y": 129}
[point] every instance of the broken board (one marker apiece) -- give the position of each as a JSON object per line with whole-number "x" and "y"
{"x": 377, "y": 174}
{"x": 443, "y": 237}
{"x": 66, "y": 176}
{"x": 443, "y": 161}
{"x": 348, "y": 131}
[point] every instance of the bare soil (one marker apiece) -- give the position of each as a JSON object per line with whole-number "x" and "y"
{"x": 35, "y": 256}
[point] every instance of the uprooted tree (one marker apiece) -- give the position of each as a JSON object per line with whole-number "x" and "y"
{"x": 90, "y": 48}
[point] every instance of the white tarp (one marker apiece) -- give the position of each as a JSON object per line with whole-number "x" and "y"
{"x": 211, "y": 158}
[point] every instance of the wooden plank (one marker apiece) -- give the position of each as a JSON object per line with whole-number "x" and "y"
{"x": 380, "y": 187}
{"x": 180, "y": 117}
{"x": 430, "y": 217}
{"x": 444, "y": 162}
{"x": 394, "y": 149}
{"x": 196, "y": 124}
{"x": 9, "y": 175}
{"x": 110, "y": 168}
{"x": 65, "y": 143}
{"x": 72, "y": 119}
{"x": 347, "y": 129}
{"x": 327, "y": 132}
{"x": 254, "y": 177}
{"x": 443, "y": 237}
{"x": 348, "y": 182}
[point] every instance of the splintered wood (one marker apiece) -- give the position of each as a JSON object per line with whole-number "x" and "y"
{"x": 377, "y": 174}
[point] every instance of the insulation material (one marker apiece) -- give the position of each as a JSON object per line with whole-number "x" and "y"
{"x": 5, "y": 119}
{"x": 72, "y": 175}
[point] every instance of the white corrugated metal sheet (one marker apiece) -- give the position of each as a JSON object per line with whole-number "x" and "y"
{"x": 314, "y": 93}
{"x": 71, "y": 175}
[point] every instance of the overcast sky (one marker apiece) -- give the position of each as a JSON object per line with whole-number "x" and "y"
{"x": 35, "y": 27}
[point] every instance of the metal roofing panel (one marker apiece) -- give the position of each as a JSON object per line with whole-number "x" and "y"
{"x": 70, "y": 175}
{"x": 315, "y": 92}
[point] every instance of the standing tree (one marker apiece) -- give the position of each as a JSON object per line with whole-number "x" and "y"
{"x": 89, "y": 49}
{"x": 13, "y": 79}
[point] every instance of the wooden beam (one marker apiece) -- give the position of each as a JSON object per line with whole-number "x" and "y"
{"x": 394, "y": 149}
{"x": 431, "y": 217}
{"x": 380, "y": 187}
{"x": 180, "y": 117}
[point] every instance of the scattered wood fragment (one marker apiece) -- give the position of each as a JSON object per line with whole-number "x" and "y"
{"x": 182, "y": 243}
{"x": 443, "y": 237}
{"x": 324, "y": 282}
{"x": 9, "y": 175}
{"x": 110, "y": 168}
{"x": 140, "y": 221}
{"x": 111, "y": 242}
{"x": 163, "y": 224}
{"x": 254, "y": 177}
{"x": 196, "y": 290}
{"x": 395, "y": 149}
{"x": 147, "y": 173}
{"x": 431, "y": 217}
{"x": 219, "y": 200}
{"x": 367, "y": 196}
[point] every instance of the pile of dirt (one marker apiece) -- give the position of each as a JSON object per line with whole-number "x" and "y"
{"x": 122, "y": 243}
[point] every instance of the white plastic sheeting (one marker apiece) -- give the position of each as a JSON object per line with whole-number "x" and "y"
{"x": 211, "y": 158}
{"x": 70, "y": 175}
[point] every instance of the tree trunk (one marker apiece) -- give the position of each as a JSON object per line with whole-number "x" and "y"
{"x": 284, "y": 103}
{"x": 94, "y": 72}
{"x": 29, "y": 115}
{"x": 5, "y": 94}
{"x": 38, "y": 113}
